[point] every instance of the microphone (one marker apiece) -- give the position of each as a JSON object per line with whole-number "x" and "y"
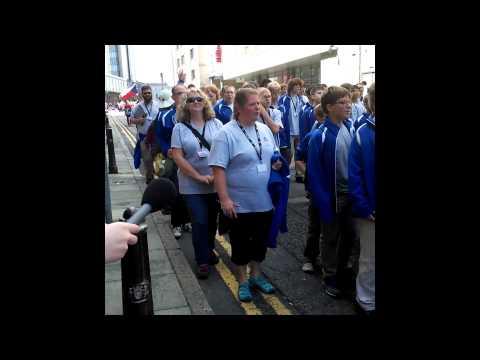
{"x": 159, "y": 194}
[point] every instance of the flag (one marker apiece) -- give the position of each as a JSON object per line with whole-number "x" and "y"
{"x": 131, "y": 91}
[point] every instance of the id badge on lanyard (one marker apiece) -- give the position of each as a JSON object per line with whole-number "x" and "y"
{"x": 261, "y": 168}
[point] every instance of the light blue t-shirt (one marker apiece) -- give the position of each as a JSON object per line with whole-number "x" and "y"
{"x": 344, "y": 140}
{"x": 246, "y": 184}
{"x": 295, "y": 107}
{"x": 183, "y": 138}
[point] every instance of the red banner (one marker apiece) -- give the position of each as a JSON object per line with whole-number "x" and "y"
{"x": 218, "y": 54}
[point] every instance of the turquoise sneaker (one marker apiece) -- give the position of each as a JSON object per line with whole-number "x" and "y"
{"x": 244, "y": 293}
{"x": 262, "y": 284}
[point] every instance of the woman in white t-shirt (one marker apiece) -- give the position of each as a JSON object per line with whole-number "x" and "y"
{"x": 191, "y": 139}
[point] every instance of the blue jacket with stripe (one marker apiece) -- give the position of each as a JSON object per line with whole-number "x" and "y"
{"x": 321, "y": 164}
{"x": 361, "y": 170}
{"x": 307, "y": 119}
{"x": 284, "y": 104}
{"x": 164, "y": 128}
{"x": 223, "y": 112}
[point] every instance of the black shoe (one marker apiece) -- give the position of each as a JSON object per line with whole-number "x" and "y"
{"x": 213, "y": 259}
{"x": 299, "y": 179}
{"x": 347, "y": 281}
{"x": 331, "y": 287}
{"x": 203, "y": 271}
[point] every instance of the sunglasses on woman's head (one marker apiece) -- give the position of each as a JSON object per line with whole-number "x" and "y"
{"x": 194, "y": 99}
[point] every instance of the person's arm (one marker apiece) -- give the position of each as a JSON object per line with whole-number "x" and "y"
{"x": 268, "y": 120}
{"x": 356, "y": 184}
{"x": 186, "y": 168}
{"x": 220, "y": 182}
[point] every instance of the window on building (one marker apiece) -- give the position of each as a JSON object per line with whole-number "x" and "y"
{"x": 193, "y": 74}
{"x": 114, "y": 60}
{"x": 191, "y": 54}
{"x": 183, "y": 59}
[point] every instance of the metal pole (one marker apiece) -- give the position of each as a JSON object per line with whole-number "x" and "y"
{"x": 128, "y": 66}
{"x": 108, "y": 203}
{"x": 112, "y": 164}
{"x": 136, "y": 281}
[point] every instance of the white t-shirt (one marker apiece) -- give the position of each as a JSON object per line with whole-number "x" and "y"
{"x": 276, "y": 116}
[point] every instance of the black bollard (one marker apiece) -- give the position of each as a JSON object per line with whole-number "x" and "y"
{"x": 112, "y": 164}
{"x": 136, "y": 281}
{"x": 107, "y": 124}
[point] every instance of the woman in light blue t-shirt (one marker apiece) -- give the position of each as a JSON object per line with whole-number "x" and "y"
{"x": 191, "y": 139}
{"x": 241, "y": 161}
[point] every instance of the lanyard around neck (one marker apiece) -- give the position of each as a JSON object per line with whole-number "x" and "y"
{"x": 251, "y": 142}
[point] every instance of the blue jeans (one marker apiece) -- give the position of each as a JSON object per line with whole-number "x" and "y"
{"x": 203, "y": 209}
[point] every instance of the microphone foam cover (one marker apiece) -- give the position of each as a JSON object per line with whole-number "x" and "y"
{"x": 160, "y": 194}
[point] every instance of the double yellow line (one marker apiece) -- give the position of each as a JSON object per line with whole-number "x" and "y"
{"x": 128, "y": 134}
{"x": 232, "y": 283}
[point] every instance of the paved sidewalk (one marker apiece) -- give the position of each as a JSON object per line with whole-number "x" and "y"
{"x": 175, "y": 288}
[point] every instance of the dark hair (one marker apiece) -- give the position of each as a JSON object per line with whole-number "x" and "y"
{"x": 250, "y": 85}
{"x": 331, "y": 96}
{"x": 174, "y": 87}
{"x": 145, "y": 87}
{"x": 371, "y": 97}
{"x": 347, "y": 86}
{"x": 363, "y": 83}
{"x": 323, "y": 86}
{"x": 191, "y": 86}
{"x": 265, "y": 82}
{"x": 292, "y": 83}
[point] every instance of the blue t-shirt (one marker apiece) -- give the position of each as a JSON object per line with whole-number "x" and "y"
{"x": 183, "y": 138}
{"x": 247, "y": 185}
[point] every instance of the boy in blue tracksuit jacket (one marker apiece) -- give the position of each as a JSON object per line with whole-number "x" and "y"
{"x": 224, "y": 108}
{"x": 307, "y": 116}
{"x": 327, "y": 165}
{"x": 362, "y": 186}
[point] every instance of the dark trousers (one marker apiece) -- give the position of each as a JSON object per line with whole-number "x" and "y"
{"x": 203, "y": 209}
{"x": 287, "y": 154}
{"x": 339, "y": 239}
{"x": 314, "y": 234}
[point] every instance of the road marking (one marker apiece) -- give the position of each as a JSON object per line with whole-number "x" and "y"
{"x": 271, "y": 299}
{"x": 232, "y": 284}
{"x": 127, "y": 132}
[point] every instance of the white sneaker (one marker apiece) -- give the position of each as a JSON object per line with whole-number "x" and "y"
{"x": 308, "y": 267}
{"x": 177, "y": 232}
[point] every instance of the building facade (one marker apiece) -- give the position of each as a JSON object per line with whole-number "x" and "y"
{"x": 315, "y": 64}
{"x": 195, "y": 61}
{"x": 118, "y": 71}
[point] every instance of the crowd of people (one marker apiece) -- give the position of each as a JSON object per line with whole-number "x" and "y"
{"x": 222, "y": 148}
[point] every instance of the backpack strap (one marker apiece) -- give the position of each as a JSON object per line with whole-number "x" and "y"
{"x": 198, "y": 136}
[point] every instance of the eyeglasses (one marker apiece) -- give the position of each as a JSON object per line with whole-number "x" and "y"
{"x": 194, "y": 99}
{"x": 147, "y": 93}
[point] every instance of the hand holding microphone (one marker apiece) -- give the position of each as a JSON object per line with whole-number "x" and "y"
{"x": 117, "y": 238}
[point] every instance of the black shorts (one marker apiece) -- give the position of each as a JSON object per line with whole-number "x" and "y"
{"x": 248, "y": 236}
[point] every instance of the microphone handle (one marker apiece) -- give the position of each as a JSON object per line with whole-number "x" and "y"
{"x": 140, "y": 214}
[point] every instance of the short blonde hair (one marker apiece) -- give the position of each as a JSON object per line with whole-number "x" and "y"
{"x": 241, "y": 98}
{"x": 184, "y": 112}
{"x": 213, "y": 89}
